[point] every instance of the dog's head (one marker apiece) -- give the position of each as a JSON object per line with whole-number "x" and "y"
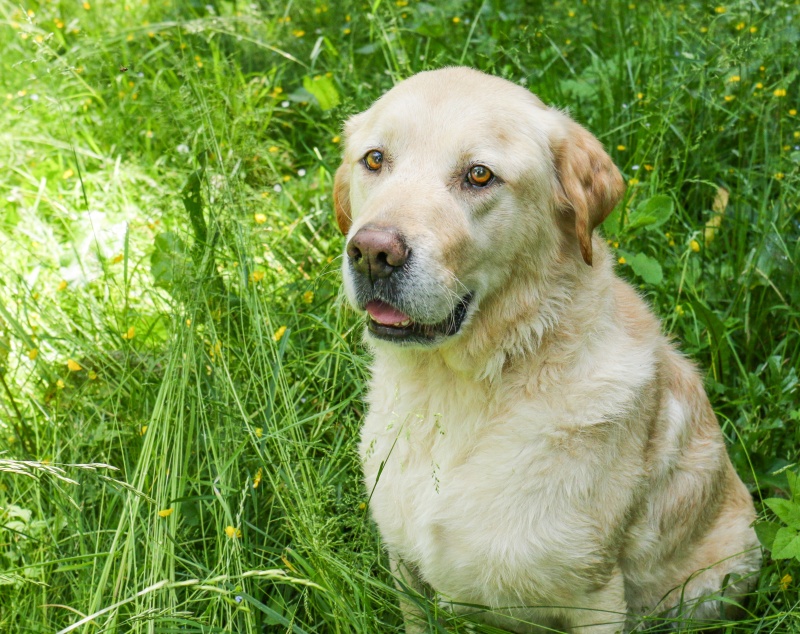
{"x": 453, "y": 184}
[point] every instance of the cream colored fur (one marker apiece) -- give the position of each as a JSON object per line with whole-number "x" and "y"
{"x": 556, "y": 460}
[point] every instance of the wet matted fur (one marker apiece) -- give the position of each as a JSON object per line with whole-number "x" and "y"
{"x": 533, "y": 443}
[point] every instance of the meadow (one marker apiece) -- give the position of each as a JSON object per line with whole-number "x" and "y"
{"x": 180, "y": 381}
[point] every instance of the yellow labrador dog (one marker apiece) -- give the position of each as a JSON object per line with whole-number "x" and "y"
{"x": 534, "y": 443}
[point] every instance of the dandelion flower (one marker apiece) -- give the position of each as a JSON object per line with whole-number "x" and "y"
{"x": 735, "y": 78}
{"x": 279, "y": 333}
{"x": 779, "y": 92}
{"x": 792, "y": 112}
{"x": 778, "y": 176}
{"x": 622, "y": 260}
{"x": 166, "y": 512}
{"x": 130, "y": 334}
{"x": 233, "y": 533}
{"x": 456, "y": 20}
{"x": 259, "y": 432}
{"x": 257, "y": 276}
{"x": 336, "y": 139}
{"x": 621, "y": 148}
{"x": 694, "y": 245}
{"x": 308, "y": 297}
{"x": 273, "y": 149}
{"x": 633, "y": 181}
{"x": 32, "y": 354}
{"x": 260, "y": 218}
{"x": 719, "y": 10}
{"x": 73, "y": 366}
{"x": 143, "y": 431}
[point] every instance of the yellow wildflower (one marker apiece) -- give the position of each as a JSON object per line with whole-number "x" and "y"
{"x": 73, "y": 366}
{"x": 792, "y": 112}
{"x": 648, "y": 167}
{"x": 60, "y": 384}
{"x": 778, "y": 176}
{"x": 456, "y": 20}
{"x": 273, "y": 149}
{"x": 67, "y": 174}
{"x": 259, "y": 432}
{"x": 729, "y": 97}
{"x": 32, "y": 354}
{"x": 298, "y": 33}
{"x": 779, "y": 92}
{"x": 785, "y": 581}
{"x": 92, "y": 375}
{"x": 260, "y": 218}
{"x": 130, "y": 334}
{"x": 257, "y": 479}
{"x": 118, "y": 258}
{"x": 694, "y": 245}
{"x": 362, "y": 506}
{"x": 279, "y": 333}
{"x": 753, "y": 29}
{"x": 166, "y": 512}
{"x": 621, "y": 148}
{"x": 87, "y": 6}
{"x": 759, "y": 85}
{"x": 336, "y": 139}
{"x": 735, "y": 78}
{"x": 257, "y": 276}
{"x": 143, "y": 430}
{"x": 740, "y": 26}
{"x": 679, "y": 310}
{"x": 633, "y": 181}
{"x": 719, "y": 10}
{"x": 622, "y": 260}
{"x": 308, "y": 297}
{"x": 233, "y": 533}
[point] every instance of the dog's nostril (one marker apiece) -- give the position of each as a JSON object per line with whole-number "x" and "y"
{"x": 354, "y": 253}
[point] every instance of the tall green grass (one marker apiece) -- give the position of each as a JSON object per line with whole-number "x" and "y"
{"x": 181, "y": 385}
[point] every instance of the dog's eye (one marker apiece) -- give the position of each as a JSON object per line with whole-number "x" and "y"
{"x": 373, "y": 160}
{"x": 480, "y": 176}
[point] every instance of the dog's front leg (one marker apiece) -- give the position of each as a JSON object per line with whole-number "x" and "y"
{"x": 409, "y": 584}
{"x": 603, "y": 611}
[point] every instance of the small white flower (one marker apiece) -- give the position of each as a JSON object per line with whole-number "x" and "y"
{"x": 182, "y": 148}
{"x": 285, "y": 104}
{"x": 277, "y": 188}
{"x": 635, "y": 168}
{"x": 301, "y": 172}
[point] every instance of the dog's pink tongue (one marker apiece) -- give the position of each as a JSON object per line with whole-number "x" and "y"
{"x": 385, "y": 314}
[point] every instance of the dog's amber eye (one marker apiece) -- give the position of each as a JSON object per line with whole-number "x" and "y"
{"x": 480, "y": 175}
{"x": 373, "y": 160}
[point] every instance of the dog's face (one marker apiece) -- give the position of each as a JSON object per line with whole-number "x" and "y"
{"x": 452, "y": 184}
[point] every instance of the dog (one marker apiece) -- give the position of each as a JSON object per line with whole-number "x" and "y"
{"x": 533, "y": 443}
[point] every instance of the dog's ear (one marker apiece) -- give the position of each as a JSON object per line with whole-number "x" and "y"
{"x": 341, "y": 198}
{"x": 590, "y": 185}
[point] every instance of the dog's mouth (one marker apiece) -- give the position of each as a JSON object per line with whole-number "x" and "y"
{"x": 391, "y": 324}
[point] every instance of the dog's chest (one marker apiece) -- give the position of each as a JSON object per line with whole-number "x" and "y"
{"x": 470, "y": 491}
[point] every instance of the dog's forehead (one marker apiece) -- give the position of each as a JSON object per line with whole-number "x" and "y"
{"x": 472, "y": 111}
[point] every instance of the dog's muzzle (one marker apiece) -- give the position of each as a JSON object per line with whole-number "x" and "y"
{"x": 380, "y": 263}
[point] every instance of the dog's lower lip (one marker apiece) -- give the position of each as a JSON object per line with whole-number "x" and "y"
{"x": 409, "y": 330}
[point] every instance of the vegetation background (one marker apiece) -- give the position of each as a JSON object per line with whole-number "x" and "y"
{"x": 180, "y": 384}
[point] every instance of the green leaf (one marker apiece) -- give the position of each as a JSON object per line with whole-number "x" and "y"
{"x": 324, "y": 91}
{"x": 787, "y": 544}
{"x": 766, "y": 532}
{"x": 786, "y": 510}
{"x": 651, "y": 213}
{"x": 170, "y": 261}
{"x": 794, "y": 486}
{"x": 647, "y": 268}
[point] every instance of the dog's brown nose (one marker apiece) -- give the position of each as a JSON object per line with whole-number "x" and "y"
{"x": 377, "y": 252}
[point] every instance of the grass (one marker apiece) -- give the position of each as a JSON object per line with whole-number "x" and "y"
{"x": 181, "y": 385}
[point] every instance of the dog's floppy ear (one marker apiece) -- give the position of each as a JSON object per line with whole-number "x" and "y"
{"x": 590, "y": 183}
{"x": 341, "y": 198}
